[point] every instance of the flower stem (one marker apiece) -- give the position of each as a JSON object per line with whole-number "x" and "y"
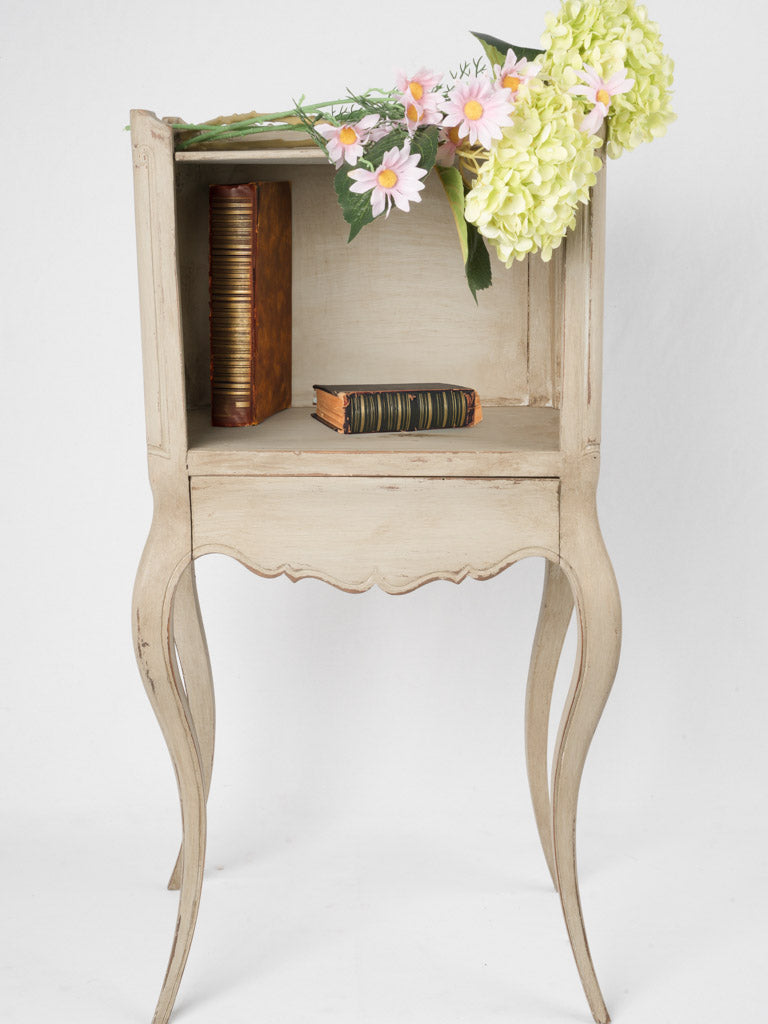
{"x": 234, "y": 133}
{"x": 220, "y": 131}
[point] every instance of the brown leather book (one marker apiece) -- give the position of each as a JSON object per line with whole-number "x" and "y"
{"x": 380, "y": 408}
{"x": 250, "y": 295}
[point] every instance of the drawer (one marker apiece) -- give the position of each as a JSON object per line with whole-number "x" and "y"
{"x": 396, "y": 532}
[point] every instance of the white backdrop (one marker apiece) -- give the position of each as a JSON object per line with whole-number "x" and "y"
{"x": 372, "y": 853}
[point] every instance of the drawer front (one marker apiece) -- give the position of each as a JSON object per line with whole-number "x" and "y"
{"x": 396, "y": 532}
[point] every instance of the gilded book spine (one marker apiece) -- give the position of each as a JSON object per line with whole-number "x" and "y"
{"x": 233, "y": 240}
{"x": 399, "y": 410}
{"x": 250, "y": 282}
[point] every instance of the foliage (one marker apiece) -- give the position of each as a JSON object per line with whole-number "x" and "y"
{"x": 513, "y": 143}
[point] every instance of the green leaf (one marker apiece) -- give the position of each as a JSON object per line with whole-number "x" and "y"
{"x": 454, "y": 188}
{"x": 496, "y": 49}
{"x": 478, "y": 265}
{"x": 425, "y": 143}
{"x": 355, "y": 206}
{"x": 477, "y": 262}
{"x": 375, "y": 153}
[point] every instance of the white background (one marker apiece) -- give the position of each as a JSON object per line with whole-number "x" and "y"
{"x": 372, "y": 854}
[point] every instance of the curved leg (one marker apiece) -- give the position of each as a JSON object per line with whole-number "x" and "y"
{"x": 189, "y": 636}
{"x": 153, "y": 638}
{"x": 599, "y": 616}
{"x": 554, "y": 616}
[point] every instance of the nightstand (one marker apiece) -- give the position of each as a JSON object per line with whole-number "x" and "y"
{"x": 393, "y": 510}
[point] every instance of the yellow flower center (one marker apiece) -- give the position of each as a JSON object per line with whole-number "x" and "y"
{"x": 603, "y": 96}
{"x": 387, "y": 178}
{"x": 511, "y": 82}
{"x": 473, "y": 110}
{"x": 413, "y": 113}
{"x": 453, "y": 135}
{"x": 416, "y": 90}
{"x": 347, "y": 136}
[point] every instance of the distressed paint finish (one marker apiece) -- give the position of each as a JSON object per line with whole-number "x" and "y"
{"x": 195, "y": 666}
{"x": 391, "y": 532}
{"x": 414, "y": 508}
{"x": 554, "y": 616}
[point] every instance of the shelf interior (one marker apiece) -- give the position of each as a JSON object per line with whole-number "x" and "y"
{"x": 391, "y": 306}
{"x": 509, "y": 441}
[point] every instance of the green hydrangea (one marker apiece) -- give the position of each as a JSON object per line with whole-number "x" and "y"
{"x": 608, "y": 35}
{"x": 526, "y": 193}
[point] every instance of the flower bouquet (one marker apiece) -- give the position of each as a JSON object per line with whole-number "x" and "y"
{"x": 512, "y": 136}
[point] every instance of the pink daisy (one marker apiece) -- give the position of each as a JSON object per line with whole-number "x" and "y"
{"x": 380, "y": 130}
{"x": 346, "y": 141}
{"x": 599, "y": 91}
{"x": 418, "y": 98}
{"x": 417, "y": 85}
{"x": 480, "y": 110}
{"x": 419, "y": 115}
{"x": 396, "y": 180}
{"x": 515, "y": 72}
{"x": 449, "y": 143}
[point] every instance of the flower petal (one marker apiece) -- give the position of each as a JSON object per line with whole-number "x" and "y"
{"x": 378, "y": 201}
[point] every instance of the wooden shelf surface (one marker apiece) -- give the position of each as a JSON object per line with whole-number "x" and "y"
{"x": 275, "y": 155}
{"x": 511, "y": 441}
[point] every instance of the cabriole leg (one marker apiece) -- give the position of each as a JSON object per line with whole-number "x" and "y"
{"x": 599, "y": 617}
{"x": 192, "y": 649}
{"x": 554, "y": 616}
{"x": 153, "y": 600}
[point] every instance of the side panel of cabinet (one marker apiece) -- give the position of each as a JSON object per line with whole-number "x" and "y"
{"x": 156, "y": 243}
{"x": 357, "y": 532}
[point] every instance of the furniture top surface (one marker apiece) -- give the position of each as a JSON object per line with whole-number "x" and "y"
{"x": 270, "y": 155}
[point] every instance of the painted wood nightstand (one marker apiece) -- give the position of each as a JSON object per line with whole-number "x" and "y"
{"x": 418, "y": 506}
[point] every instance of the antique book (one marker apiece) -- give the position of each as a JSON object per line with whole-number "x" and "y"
{"x": 376, "y": 408}
{"x": 250, "y": 296}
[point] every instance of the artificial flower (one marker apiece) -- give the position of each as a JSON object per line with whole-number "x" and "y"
{"x": 396, "y": 180}
{"x": 418, "y": 85}
{"x": 515, "y": 72}
{"x": 418, "y": 97}
{"x": 608, "y": 35}
{"x": 449, "y": 142}
{"x": 346, "y": 141}
{"x": 527, "y": 192}
{"x": 379, "y": 131}
{"x": 422, "y": 113}
{"x": 479, "y": 109}
{"x": 599, "y": 92}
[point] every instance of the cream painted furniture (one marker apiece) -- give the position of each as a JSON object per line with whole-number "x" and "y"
{"x": 393, "y": 305}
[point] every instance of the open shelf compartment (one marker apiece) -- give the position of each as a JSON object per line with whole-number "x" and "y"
{"x": 392, "y": 305}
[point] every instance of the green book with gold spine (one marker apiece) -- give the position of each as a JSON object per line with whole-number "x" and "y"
{"x": 383, "y": 408}
{"x": 250, "y": 294}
